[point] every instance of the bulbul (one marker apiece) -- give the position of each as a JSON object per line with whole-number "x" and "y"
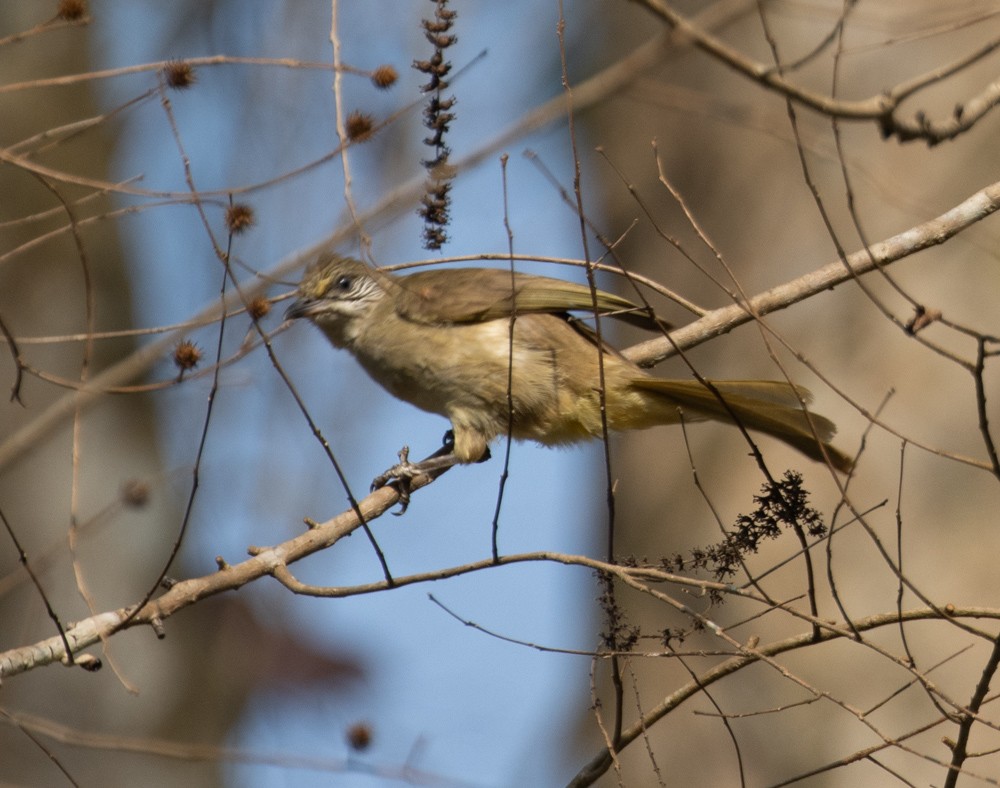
{"x": 441, "y": 340}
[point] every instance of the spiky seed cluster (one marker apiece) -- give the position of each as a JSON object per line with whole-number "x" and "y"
{"x": 438, "y": 116}
{"x": 259, "y": 308}
{"x": 239, "y": 218}
{"x": 359, "y": 736}
{"x": 187, "y": 355}
{"x": 179, "y": 75}
{"x": 359, "y": 126}
{"x": 384, "y": 77}
{"x": 71, "y": 10}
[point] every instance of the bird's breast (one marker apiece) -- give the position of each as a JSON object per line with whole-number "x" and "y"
{"x": 465, "y": 371}
{"x": 442, "y": 367}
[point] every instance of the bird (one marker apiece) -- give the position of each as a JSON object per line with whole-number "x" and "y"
{"x": 498, "y": 352}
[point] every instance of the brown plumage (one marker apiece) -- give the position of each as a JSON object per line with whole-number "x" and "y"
{"x": 440, "y": 340}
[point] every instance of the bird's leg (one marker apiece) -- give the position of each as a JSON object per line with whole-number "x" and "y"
{"x": 402, "y": 473}
{"x": 448, "y": 443}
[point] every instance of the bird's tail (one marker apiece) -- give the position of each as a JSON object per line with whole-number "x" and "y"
{"x": 771, "y": 407}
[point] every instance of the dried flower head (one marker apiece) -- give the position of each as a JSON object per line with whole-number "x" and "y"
{"x": 258, "y": 308}
{"x": 359, "y": 126}
{"x": 438, "y": 115}
{"x": 359, "y": 736}
{"x": 187, "y": 355}
{"x": 384, "y": 77}
{"x": 179, "y": 75}
{"x": 71, "y": 10}
{"x": 239, "y": 218}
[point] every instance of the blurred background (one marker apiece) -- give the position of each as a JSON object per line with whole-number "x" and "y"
{"x": 261, "y": 687}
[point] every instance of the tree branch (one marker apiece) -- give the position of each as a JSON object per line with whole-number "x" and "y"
{"x": 880, "y": 108}
{"x": 923, "y": 236}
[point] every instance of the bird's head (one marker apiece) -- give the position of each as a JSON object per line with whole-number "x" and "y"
{"x": 335, "y": 293}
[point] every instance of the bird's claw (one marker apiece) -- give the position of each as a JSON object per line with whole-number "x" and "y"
{"x": 399, "y": 477}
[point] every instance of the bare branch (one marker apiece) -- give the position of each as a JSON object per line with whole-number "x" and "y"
{"x": 881, "y": 108}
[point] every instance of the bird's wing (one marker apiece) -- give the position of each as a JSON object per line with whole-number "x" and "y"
{"x": 472, "y": 295}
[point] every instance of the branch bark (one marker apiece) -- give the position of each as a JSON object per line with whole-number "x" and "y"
{"x": 898, "y": 247}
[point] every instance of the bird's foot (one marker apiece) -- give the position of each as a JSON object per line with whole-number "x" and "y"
{"x": 401, "y": 475}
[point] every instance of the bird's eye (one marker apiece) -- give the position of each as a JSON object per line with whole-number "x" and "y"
{"x": 343, "y": 283}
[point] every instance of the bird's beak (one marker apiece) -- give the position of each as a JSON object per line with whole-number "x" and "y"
{"x": 300, "y": 307}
